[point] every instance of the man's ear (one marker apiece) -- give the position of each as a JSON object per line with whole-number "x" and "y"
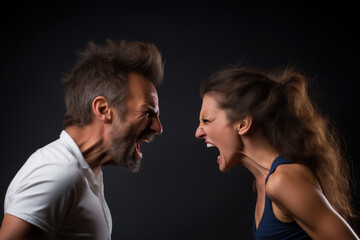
{"x": 102, "y": 109}
{"x": 244, "y": 125}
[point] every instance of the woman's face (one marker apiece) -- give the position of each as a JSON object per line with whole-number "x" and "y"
{"x": 217, "y": 131}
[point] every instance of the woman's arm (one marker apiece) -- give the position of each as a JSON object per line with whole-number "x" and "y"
{"x": 296, "y": 195}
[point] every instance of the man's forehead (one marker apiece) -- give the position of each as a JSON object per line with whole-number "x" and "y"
{"x": 151, "y": 99}
{"x": 141, "y": 88}
{"x": 136, "y": 80}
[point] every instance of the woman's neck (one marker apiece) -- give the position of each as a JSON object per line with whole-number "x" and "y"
{"x": 258, "y": 156}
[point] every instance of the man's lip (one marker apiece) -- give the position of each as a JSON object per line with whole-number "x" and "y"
{"x": 146, "y": 137}
{"x": 147, "y": 140}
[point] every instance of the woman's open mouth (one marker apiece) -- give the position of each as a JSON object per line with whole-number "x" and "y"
{"x": 210, "y": 145}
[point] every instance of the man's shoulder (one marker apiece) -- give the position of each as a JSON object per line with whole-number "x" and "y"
{"x": 57, "y": 153}
{"x": 53, "y": 162}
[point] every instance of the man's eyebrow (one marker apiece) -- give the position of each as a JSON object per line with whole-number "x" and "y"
{"x": 148, "y": 108}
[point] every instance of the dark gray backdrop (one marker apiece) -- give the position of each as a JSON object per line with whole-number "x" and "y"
{"x": 178, "y": 192}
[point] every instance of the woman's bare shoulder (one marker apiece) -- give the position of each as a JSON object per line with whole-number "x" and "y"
{"x": 289, "y": 179}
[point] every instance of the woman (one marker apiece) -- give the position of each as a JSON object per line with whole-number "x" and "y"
{"x": 267, "y": 123}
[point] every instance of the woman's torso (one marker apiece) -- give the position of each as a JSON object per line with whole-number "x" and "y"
{"x": 266, "y": 224}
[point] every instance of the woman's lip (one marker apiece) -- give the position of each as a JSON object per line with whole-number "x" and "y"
{"x": 210, "y": 144}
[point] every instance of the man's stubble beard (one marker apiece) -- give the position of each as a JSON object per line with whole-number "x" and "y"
{"x": 122, "y": 151}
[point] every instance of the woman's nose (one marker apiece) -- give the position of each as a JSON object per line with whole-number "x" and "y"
{"x": 200, "y": 133}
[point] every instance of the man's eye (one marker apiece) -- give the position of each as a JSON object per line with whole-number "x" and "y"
{"x": 204, "y": 120}
{"x": 149, "y": 114}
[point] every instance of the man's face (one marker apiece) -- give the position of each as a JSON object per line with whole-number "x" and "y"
{"x": 139, "y": 123}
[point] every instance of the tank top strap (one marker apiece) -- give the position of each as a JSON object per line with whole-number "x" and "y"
{"x": 269, "y": 226}
{"x": 278, "y": 161}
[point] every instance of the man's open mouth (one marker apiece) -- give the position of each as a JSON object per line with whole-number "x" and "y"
{"x": 138, "y": 145}
{"x": 144, "y": 137}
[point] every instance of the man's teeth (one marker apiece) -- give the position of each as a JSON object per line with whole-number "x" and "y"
{"x": 209, "y": 145}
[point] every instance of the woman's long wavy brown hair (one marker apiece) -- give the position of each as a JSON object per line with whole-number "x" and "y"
{"x": 282, "y": 111}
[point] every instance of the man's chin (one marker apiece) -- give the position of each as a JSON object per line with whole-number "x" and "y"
{"x": 132, "y": 163}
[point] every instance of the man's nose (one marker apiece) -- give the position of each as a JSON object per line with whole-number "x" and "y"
{"x": 156, "y": 125}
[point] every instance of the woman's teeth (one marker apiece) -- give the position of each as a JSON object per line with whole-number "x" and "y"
{"x": 209, "y": 145}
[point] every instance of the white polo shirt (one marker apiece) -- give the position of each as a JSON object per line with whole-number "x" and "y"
{"x": 57, "y": 191}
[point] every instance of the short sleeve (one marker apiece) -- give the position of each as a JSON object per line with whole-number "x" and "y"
{"x": 41, "y": 196}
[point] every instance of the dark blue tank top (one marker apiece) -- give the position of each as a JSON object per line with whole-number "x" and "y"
{"x": 270, "y": 228}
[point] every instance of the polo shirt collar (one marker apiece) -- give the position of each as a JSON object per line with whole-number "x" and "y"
{"x": 75, "y": 151}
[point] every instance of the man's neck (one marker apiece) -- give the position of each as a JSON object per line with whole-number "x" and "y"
{"x": 91, "y": 142}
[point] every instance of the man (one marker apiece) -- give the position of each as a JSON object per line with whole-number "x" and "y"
{"x": 112, "y": 107}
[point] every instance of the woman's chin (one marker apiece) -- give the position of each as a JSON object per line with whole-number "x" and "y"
{"x": 222, "y": 164}
{"x": 225, "y": 165}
